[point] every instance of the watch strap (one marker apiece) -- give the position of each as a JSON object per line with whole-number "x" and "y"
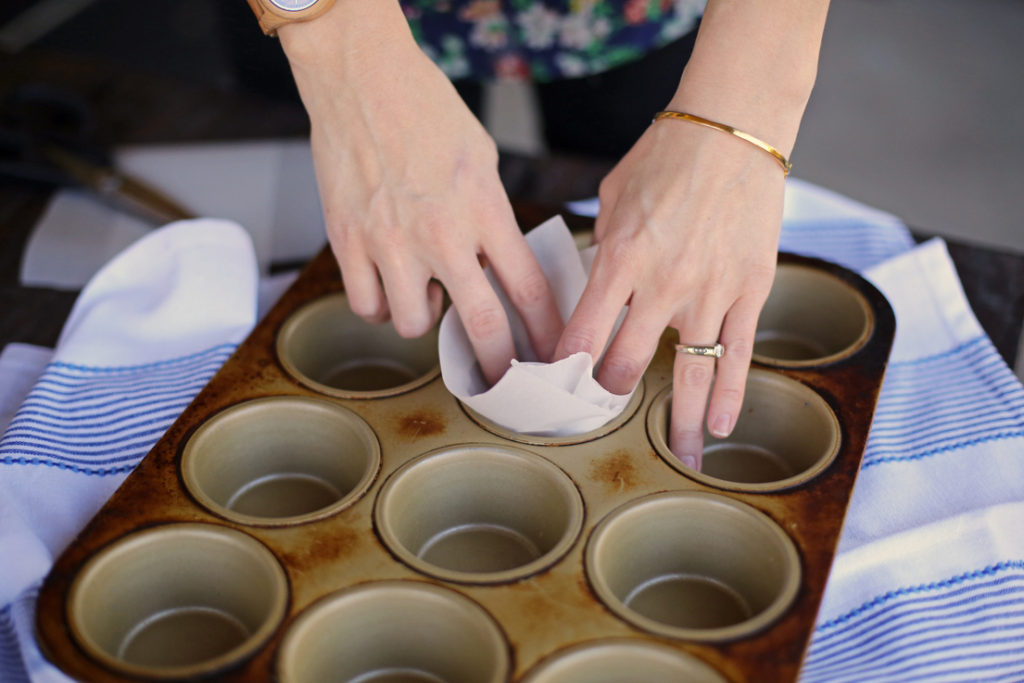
{"x": 272, "y": 17}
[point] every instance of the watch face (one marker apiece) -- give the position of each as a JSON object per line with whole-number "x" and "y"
{"x": 294, "y": 5}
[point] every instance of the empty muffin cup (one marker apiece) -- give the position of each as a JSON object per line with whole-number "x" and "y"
{"x": 693, "y": 565}
{"x": 614, "y": 661}
{"x": 177, "y": 601}
{"x": 280, "y": 460}
{"x": 479, "y": 513}
{"x": 786, "y": 435}
{"x": 330, "y": 349}
{"x": 394, "y": 631}
{"x": 811, "y": 317}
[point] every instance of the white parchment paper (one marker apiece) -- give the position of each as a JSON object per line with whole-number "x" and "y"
{"x": 547, "y": 399}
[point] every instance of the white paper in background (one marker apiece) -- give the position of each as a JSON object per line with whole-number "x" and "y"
{"x": 268, "y": 187}
{"x": 548, "y": 399}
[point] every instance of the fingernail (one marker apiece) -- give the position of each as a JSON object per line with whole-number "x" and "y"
{"x": 721, "y": 426}
{"x": 689, "y": 461}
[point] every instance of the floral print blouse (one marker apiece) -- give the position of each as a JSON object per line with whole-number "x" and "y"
{"x": 544, "y": 40}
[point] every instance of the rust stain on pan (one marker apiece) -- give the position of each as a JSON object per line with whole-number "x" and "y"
{"x": 321, "y": 549}
{"x": 421, "y": 424}
{"x": 616, "y": 472}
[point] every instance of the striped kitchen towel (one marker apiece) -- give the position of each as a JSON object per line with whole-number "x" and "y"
{"x": 928, "y": 584}
{"x": 144, "y": 337}
{"x": 929, "y": 580}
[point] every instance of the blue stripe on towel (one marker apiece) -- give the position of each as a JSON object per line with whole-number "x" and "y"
{"x": 921, "y": 408}
{"x": 225, "y": 349}
{"x": 66, "y": 373}
{"x": 139, "y": 406}
{"x": 56, "y": 393}
{"x": 967, "y": 628}
{"x": 12, "y": 666}
{"x": 103, "y": 420}
{"x": 852, "y": 243}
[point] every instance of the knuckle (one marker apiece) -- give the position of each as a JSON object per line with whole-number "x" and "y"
{"x": 622, "y": 370}
{"x": 484, "y": 322}
{"x": 619, "y": 252}
{"x": 740, "y": 348}
{"x": 574, "y": 341}
{"x": 730, "y": 396}
{"x": 696, "y": 374}
{"x": 531, "y": 291}
{"x": 761, "y": 276}
{"x": 411, "y": 326}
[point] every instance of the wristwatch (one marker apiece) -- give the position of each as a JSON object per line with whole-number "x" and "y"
{"x": 273, "y": 14}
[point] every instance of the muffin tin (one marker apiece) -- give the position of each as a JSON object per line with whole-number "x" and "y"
{"x": 325, "y": 509}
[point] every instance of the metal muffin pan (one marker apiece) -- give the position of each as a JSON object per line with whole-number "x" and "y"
{"x": 325, "y": 505}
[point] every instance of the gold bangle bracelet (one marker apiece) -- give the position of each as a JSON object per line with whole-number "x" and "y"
{"x": 761, "y": 144}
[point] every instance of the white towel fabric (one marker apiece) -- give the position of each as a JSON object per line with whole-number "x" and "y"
{"x": 929, "y": 581}
{"x": 146, "y": 334}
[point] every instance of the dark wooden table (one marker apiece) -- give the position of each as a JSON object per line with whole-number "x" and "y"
{"x": 133, "y": 108}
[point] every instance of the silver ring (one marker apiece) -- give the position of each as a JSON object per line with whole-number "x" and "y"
{"x": 716, "y": 351}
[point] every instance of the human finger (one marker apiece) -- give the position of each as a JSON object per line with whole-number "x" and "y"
{"x": 692, "y": 376}
{"x": 631, "y": 349}
{"x": 527, "y": 288}
{"x": 362, "y": 286}
{"x": 406, "y": 285}
{"x": 737, "y": 337}
{"x": 483, "y": 318}
{"x": 591, "y": 323}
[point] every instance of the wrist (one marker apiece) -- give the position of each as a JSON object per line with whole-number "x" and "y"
{"x": 753, "y": 67}
{"x": 771, "y": 116}
{"x": 351, "y": 31}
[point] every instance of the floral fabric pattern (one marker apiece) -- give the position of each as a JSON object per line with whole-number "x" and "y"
{"x": 544, "y": 40}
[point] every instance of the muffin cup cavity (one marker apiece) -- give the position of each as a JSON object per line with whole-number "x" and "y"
{"x": 479, "y": 513}
{"x": 618, "y": 660}
{"x": 693, "y": 565}
{"x": 394, "y": 631}
{"x": 333, "y": 351}
{"x": 811, "y": 317}
{"x": 280, "y": 460}
{"x": 786, "y": 435}
{"x": 177, "y": 601}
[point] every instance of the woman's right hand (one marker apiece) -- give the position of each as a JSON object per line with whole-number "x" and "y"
{"x": 409, "y": 184}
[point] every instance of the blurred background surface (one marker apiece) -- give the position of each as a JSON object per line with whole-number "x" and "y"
{"x": 918, "y": 109}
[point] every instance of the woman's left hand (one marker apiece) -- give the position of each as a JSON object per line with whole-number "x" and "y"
{"x": 688, "y": 234}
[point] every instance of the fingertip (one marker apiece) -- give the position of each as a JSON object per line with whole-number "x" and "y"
{"x": 721, "y": 426}
{"x": 375, "y": 313}
{"x": 688, "y": 447}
